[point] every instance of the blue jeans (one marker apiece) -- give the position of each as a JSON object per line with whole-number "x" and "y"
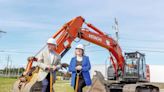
{"x": 46, "y": 82}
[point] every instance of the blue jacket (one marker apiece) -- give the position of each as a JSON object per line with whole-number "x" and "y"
{"x": 85, "y": 70}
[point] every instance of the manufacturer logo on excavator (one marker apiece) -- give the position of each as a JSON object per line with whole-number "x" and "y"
{"x": 95, "y": 37}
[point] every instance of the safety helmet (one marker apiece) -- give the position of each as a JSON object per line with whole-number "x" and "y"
{"x": 80, "y": 46}
{"x": 51, "y": 41}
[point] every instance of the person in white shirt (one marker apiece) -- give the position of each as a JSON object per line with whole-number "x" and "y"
{"x": 48, "y": 61}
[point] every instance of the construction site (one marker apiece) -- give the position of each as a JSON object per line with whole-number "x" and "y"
{"x": 81, "y": 46}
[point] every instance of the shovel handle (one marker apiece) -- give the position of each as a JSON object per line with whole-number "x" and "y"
{"x": 51, "y": 79}
{"x": 77, "y": 82}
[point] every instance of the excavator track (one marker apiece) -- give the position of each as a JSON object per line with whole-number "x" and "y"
{"x": 102, "y": 85}
{"x": 140, "y": 87}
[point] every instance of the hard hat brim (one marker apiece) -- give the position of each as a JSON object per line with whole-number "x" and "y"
{"x": 79, "y": 48}
{"x": 51, "y": 43}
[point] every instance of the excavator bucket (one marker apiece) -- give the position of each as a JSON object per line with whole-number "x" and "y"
{"x": 28, "y": 83}
{"x": 97, "y": 83}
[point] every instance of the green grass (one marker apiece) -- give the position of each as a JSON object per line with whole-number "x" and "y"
{"x": 6, "y": 85}
{"x": 63, "y": 86}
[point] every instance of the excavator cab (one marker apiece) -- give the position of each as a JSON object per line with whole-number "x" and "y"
{"x": 134, "y": 67}
{"x": 135, "y": 78}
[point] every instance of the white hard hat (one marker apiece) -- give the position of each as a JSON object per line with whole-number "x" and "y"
{"x": 80, "y": 46}
{"x": 51, "y": 41}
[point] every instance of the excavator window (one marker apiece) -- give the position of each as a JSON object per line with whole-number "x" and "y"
{"x": 131, "y": 66}
{"x": 142, "y": 68}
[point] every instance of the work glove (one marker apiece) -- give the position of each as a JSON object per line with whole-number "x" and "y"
{"x": 50, "y": 68}
{"x": 54, "y": 68}
{"x": 32, "y": 58}
{"x": 63, "y": 70}
{"x": 78, "y": 67}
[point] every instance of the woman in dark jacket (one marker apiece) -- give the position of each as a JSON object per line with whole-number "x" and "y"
{"x": 80, "y": 64}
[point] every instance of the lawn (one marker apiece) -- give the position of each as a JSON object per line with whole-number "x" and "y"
{"x": 63, "y": 86}
{"x": 60, "y": 86}
{"x": 6, "y": 84}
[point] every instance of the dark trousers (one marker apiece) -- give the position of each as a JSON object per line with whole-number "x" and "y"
{"x": 46, "y": 82}
{"x": 81, "y": 84}
{"x": 47, "y": 87}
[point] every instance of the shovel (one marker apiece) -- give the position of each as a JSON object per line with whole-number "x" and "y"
{"x": 51, "y": 83}
{"x": 77, "y": 81}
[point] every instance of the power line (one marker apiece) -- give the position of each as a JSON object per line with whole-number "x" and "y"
{"x": 157, "y": 51}
{"x": 146, "y": 50}
{"x": 144, "y": 40}
{"x": 138, "y": 47}
{"x": 21, "y": 52}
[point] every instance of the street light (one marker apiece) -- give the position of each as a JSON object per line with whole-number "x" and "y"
{"x": 2, "y": 32}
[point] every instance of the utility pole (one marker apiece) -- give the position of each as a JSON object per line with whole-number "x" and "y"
{"x": 2, "y": 51}
{"x": 116, "y": 28}
{"x": 7, "y": 65}
{"x": 18, "y": 71}
{"x": 10, "y": 69}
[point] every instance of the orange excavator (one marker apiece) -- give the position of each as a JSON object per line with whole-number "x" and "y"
{"x": 128, "y": 73}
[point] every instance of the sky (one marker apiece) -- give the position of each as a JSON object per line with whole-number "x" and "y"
{"x": 29, "y": 23}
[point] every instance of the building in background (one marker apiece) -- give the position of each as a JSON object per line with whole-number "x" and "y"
{"x": 156, "y": 72}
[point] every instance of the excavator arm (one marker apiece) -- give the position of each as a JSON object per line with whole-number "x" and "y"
{"x": 73, "y": 29}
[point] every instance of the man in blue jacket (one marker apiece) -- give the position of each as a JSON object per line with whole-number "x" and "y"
{"x": 80, "y": 65}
